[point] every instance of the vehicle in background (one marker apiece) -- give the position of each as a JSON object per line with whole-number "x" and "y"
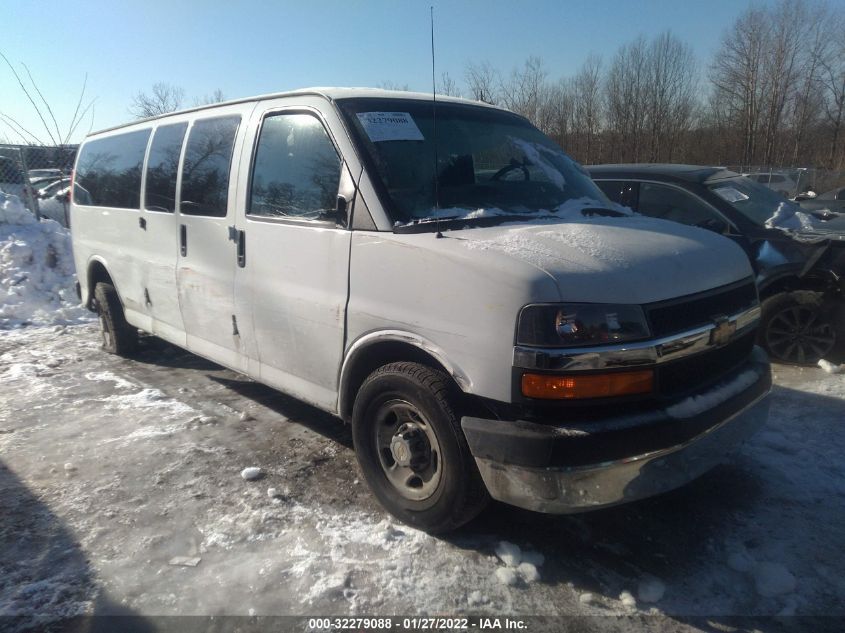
{"x": 833, "y": 201}
{"x": 800, "y": 271}
{"x": 455, "y": 286}
{"x": 785, "y": 183}
{"x": 54, "y": 201}
{"x": 35, "y": 175}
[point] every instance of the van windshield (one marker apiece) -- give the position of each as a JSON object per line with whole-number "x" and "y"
{"x": 488, "y": 162}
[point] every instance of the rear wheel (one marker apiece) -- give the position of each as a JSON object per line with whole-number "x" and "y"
{"x": 411, "y": 449}
{"x": 119, "y": 337}
{"x": 798, "y": 327}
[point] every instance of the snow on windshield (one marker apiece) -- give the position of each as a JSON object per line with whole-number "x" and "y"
{"x": 532, "y": 152}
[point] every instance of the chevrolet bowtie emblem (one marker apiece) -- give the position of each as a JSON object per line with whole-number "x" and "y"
{"x": 723, "y": 332}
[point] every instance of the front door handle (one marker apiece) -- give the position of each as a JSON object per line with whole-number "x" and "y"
{"x": 241, "y": 249}
{"x": 183, "y": 239}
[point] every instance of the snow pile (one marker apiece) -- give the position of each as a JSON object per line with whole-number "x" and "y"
{"x": 37, "y": 272}
{"x": 831, "y": 368}
{"x": 518, "y": 564}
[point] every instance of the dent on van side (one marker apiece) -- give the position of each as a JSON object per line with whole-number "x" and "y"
{"x": 458, "y": 290}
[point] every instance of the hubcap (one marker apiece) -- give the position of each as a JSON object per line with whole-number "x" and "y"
{"x": 798, "y": 334}
{"x": 408, "y": 450}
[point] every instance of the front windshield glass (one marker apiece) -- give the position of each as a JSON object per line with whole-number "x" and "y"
{"x": 487, "y": 161}
{"x": 756, "y": 202}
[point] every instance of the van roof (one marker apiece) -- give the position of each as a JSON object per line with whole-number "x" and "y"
{"x": 329, "y": 93}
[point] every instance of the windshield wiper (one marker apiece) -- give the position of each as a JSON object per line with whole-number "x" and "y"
{"x": 433, "y": 224}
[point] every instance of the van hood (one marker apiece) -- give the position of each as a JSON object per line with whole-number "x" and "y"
{"x": 623, "y": 260}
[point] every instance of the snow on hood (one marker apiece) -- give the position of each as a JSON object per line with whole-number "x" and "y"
{"x": 37, "y": 272}
{"x": 632, "y": 259}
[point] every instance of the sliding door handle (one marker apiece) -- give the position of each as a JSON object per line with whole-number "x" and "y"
{"x": 241, "y": 249}
{"x": 183, "y": 239}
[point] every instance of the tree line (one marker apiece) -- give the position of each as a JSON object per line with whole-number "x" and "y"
{"x": 773, "y": 94}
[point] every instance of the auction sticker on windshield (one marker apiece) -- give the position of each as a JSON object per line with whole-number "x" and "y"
{"x": 390, "y": 126}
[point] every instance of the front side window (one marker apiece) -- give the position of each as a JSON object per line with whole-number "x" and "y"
{"x": 109, "y": 170}
{"x": 162, "y": 165}
{"x": 462, "y": 160}
{"x": 205, "y": 171}
{"x": 671, "y": 203}
{"x": 296, "y": 172}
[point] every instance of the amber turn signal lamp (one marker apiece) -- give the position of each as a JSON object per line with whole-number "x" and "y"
{"x": 549, "y": 387}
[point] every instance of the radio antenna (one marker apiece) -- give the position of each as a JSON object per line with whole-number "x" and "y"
{"x": 434, "y": 117}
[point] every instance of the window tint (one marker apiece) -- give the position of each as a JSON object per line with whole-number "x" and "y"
{"x": 109, "y": 170}
{"x": 297, "y": 170}
{"x": 670, "y": 203}
{"x": 205, "y": 173}
{"x": 624, "y": 193}
{"x": 162, "y": 165}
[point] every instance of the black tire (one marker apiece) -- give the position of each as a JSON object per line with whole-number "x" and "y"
{"x": 119, "y": 337}
{"x": 416, "y": 404}
{"x": 798, "y": 328}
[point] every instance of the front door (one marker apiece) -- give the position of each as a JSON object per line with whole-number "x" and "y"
{"x": 297, "y": 253}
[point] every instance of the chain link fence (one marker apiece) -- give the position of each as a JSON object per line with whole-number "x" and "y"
{"x": 39, "y": 176}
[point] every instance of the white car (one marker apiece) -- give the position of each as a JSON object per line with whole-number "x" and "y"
{"x": 457, "y": 289}
{"x": 54, "y": 201}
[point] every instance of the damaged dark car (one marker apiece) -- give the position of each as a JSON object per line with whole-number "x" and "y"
{"x": 798, "y": 254}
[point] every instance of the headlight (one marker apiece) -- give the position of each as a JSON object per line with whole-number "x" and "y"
{"x": 580, "y": 324}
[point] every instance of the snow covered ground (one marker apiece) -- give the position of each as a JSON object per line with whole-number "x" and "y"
{"x": 123, "y": 491}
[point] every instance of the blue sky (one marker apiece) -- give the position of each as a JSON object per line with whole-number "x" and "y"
{"x": 246, "y": 48}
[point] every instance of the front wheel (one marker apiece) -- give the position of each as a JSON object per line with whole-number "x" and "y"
{"x": 798, "y": 327}
{"x": 411, "y": 449}
{"x": 119, "y": 337}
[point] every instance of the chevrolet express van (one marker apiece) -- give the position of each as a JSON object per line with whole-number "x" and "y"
{"x": 440, "y": 275}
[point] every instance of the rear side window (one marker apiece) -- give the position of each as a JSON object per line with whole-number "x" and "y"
{"x": 162, "y": 166}
{"x": 108, "y": 172}
{"x": 297, "y": 170}
{"x": 205, "y": 172}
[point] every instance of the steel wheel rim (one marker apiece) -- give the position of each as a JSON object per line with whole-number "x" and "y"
{"x": 798, "y": 334}
{"x": 393, "y": 420}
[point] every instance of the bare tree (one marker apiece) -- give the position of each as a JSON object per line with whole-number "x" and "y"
{"x": 392, "y": 85}
{"x": 482, "y": 81}
{"x": 215, "y": 97}
{"x": 51, "y": 128}
{"x": 587, "y": 101}
{"x": 737, "y": 76}
{"x": 523, "y": 91}
{"x": 832, "y": 80}
{"x": 448, "y": 86}
{"x": 164, "y": 98}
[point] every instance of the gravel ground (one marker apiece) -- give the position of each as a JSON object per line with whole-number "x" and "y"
{"x": 121, "y": 493}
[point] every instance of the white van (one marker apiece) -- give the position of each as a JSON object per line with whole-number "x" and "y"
{"x": 440, "y": 275}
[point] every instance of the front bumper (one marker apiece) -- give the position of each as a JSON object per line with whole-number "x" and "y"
{"x": 574, "y": 467}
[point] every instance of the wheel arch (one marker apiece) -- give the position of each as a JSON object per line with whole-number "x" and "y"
{"x": 820, "y": 280}
{"x": 376, "y": 349}
{"x": 97, "y": 272}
